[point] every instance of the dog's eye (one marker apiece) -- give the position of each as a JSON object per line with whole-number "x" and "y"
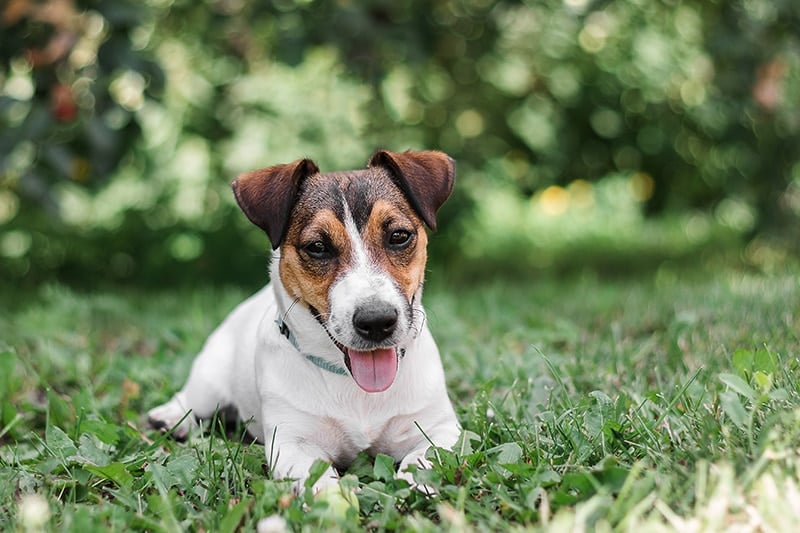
{"x": 400, "y": 238}
{"x": 318, "y": 250}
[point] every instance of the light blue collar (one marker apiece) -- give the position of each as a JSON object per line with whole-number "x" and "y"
{"x": 314, "y": 359}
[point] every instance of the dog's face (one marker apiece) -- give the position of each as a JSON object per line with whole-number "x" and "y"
{"x": 353, "y": 247}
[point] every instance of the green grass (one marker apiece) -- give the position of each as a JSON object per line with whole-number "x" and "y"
{"x": 668, "y": 401}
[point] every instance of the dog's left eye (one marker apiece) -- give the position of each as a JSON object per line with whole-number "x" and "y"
{"x": 400, "y": 238}
{"x": 318, "y": 250}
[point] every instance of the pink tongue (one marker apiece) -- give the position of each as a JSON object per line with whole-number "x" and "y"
{"x": 373, "y": 371}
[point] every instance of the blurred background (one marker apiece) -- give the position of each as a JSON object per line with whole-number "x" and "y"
{"x": 605, "y": 135}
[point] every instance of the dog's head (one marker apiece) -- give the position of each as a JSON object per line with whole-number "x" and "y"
{"x": 353, "y": 247}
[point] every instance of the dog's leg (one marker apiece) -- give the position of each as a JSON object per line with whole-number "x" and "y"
{"x": 291, "y": 457}
{"x": 445, "y": 435}
{"x": 206, "y": 391}
{"x": 297, "y": 468}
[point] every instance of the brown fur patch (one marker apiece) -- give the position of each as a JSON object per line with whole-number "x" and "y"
{"x": 407, "y": 265}
{"x": 308, "y": 278}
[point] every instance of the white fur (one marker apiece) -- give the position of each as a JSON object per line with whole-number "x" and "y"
{"x": 364, "y": 282}
{"x": 302, "y": 412}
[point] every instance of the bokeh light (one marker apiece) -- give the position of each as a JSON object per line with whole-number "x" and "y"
{"x": 123, "y": 123}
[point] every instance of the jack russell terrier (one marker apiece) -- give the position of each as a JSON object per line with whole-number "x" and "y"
{"x": 333, "y": 356}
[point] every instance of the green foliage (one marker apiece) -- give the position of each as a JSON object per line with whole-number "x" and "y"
{"x": 124, "y": 122}
{"x": 73, "y": 80}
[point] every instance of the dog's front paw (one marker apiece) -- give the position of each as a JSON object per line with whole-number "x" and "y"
{"x": 415, "y": 458}
{"x": 172, "y": 415}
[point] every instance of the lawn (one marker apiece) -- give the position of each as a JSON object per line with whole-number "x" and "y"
{"x": 667, "y": 400}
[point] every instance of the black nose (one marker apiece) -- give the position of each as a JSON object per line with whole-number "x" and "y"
{"x": 375, "y": 321}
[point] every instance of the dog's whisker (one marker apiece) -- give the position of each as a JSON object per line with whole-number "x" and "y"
{"x": 419, "y": 311}
{"x": 418, "y": 319}
{"x": 291, "y": 306}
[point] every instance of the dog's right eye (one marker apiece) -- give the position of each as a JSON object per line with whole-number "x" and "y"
{"x": 318, "y": 250}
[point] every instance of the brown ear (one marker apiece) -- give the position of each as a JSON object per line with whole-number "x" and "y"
{"x": 267, "y": 195}
{"x": 426, "y": 178}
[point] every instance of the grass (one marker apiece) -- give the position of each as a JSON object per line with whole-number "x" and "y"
{"x": 668, "y": 401}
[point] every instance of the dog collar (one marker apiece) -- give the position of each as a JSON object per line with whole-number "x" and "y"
{"x": 314, "y": 359}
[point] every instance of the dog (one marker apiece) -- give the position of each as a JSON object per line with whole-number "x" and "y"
{"x": 333, "y": 357}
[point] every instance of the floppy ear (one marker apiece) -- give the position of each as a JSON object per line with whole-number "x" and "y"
{"x": 267, "y": 195}
{"x": 425, "y": 177}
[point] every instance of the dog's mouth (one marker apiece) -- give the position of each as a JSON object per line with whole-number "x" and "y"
{"x": 373, "y": 370}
